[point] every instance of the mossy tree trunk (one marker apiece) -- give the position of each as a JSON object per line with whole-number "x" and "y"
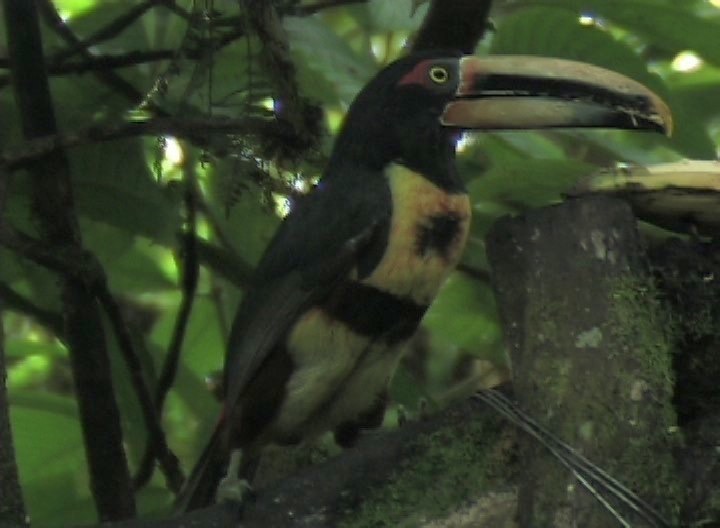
{"x": 590, "y": 346}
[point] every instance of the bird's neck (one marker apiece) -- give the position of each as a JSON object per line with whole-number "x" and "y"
{"x": 435, "y": 160}
{"x": 433, "y": 156}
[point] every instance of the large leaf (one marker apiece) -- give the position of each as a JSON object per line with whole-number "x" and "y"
{"x": 202, "y": 355}
{"x": 672, "y": 26}
{"x": 325, "y": 54}
{"x": 52, "y": 464}
{"x": 204, "y": 344}
{"x": 131, "y": 263}
{"x": 113, "y": 184}
{"x": 396, "y": 15}
{"x": 462, "y": 320}
{"x": 239, "y": 210}
{"x": 695, "y": 103}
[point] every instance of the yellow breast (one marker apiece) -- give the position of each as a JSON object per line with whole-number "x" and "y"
{"x": 411, "y": 267}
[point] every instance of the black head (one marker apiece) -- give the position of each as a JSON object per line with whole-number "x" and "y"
{"x": 412, "y": 111}
{"x": 396, "y": 117}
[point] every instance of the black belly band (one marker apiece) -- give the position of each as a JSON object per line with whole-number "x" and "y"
{"x": 374, "y": 313}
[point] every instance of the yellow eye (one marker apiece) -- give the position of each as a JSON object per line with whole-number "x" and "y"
{"x": 439, "y": 75}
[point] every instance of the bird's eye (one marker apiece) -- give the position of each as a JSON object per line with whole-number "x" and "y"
{"x": 439, "y": 75}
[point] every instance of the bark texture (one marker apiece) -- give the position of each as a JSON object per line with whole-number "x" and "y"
{"x": 591, "y": 351}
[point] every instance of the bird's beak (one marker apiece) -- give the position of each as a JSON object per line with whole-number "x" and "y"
{"x": 524, "y": 92}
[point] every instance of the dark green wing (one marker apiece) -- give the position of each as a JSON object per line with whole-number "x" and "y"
{"x": 343, "y": 224}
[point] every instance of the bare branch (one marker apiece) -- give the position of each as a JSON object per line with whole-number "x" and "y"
{"x": 303, "y": 117}
{"x": 13, "y": 301}
{"x": 52, "y": 208}
{"x": 181, "y": 127}
{"x": 189, "y": 279}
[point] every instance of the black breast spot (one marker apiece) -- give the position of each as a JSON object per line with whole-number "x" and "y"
{"x": 438, "y": 234}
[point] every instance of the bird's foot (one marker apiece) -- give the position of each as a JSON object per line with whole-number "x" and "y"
{"x": 232, "y": 488}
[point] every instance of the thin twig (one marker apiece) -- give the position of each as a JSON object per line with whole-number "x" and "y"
{"x": 13, "y": 301}
{"x": 189, "y": 280}
{"x": 224, "y": 262}
{"x": 99, "y": 63}
{"x": 71, "y": 262}
{"x": 108, "y": 31}
{"x": 303, "y": 117}
{"x": 82, "y": 266}
{"x": 105, "y": 75}
{"x": 156, "y": 436}
{"x": 181, "y": 127}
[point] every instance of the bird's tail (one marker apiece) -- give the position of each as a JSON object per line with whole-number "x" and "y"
{"x": 199, "y": 489}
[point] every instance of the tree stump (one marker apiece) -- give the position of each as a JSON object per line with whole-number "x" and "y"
{"x": 591, "y": 351}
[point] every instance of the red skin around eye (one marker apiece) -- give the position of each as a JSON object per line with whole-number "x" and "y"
{"x": 418, "y": 75}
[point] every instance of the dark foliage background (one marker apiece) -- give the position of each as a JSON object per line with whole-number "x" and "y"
{"x": 194, "y": 60}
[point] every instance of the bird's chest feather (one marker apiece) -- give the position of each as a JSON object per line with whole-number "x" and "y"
{"x": 347, "y": 347}
{"x": 427, "y": 235}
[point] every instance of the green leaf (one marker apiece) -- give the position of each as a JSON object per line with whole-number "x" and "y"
{"x": 239, "y": 209}
{"x": 671, "y": 26}
{"x": 519, "y": 181}
{"x": 406, "y": 390}
{"x": 202, "y": 355}
{"x": 396, "y": 15}
{"x": 462, "y": 319}
{"x": 695, "y": 104}
{"x": 22, "y": 348}
{"x": 131, "y": 263}
{"x": 325, "y": 54}
{"x": 113, "y": 184}
{"x": 52, "y": 465}
{"x": 204, "y": 345}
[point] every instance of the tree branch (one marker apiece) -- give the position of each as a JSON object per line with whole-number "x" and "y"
{"x": 110, "y": 30}
{"x": 300, "y": 114}
{"x": 13, "y": 301}
{"x": 189, "y": 280}
{"x": 111, "y": 79}
{"x": 465, "y": 450}
{"x": 12, "y": 508}
{"x": 182, "y": 127}
{"x": 99, "y": 63}
{"x": 52, "y": 207}
{"x": 151, "y": 414}
{"x": 82, "y": 266}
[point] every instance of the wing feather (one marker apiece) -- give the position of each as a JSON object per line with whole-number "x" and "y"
{"x": 334, "y": 230}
